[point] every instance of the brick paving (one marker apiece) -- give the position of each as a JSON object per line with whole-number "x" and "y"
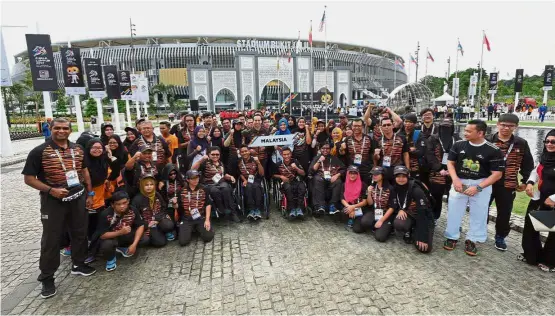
{"x": 273, "y": 267}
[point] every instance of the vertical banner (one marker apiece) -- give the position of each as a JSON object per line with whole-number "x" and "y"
{"x": 519, "y": 78}
{"x": 112, "y": 83}
{"x": 124, "y": 77}
{"x": 139, "y": 88}
{"x": 472, "y": 86}
{"x": 73, "y": 71}
{"x": 548, "y": 78}
{"x": 492, "y": 83}
{"x": 41, "y": 60}
{"x": 93, "y": 70}
{"x": 456, "y": 87}
{"x": 6, "y": 78}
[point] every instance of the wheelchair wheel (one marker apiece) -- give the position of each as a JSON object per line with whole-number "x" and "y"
{"x": 239, "y": 198}
{"x": 266, "y": 198}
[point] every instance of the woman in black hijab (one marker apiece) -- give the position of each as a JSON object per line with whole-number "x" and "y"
{"x": 217, "y": 138}
{"x": 132, "y": 135}
{"x": 106, "y": 131}
{"x": 544, "y": 175}
{"x": 438, "y": 147}
{"x": 292, "y": 124}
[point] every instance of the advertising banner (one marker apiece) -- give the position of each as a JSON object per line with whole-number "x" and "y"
{"x": 41, "y": 60}
{"x": 472, "y": 86}
{"x": 6, "y": 78}
{"x": 493, "y": 83}
{"x": 456, "y": 87}
{"x": 548, "y": 78}
{"x": 273, "y": 140}
{"x": 112, "y": 83}
{"x": 519, "y": 78}
{"x": 124, "y": 77}
{"x": 139, "y": 88}
{"x": 93, "y": 70}
{"x": 73, "y": 71}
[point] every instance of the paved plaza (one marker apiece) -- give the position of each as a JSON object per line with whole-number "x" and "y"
{"x": 272, "y": 267}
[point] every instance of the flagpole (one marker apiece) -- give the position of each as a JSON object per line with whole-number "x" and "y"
{"x": 326, "y": 58}
{"x": 311, "y": 76}
{"x": 480, "y": 74}
{"x": 426, "y": 70}
{"x": 409, "y": 69}
{"x": 395, "y": 74}
{"x": 456, "y": 74}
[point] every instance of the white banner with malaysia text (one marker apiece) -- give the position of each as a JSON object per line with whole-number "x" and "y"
{"x": 272, "y": 140}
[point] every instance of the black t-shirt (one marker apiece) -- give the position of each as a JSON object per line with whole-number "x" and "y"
{"x": 476, "y": 162}
{"x": 107, "y": 222}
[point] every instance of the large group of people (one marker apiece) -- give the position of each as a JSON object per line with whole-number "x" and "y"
{"x": 381, "y": 173}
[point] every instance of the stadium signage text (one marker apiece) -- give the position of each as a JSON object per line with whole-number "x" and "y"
{"x": 285, "y": 45}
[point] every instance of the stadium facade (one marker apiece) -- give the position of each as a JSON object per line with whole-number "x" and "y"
{"x": 220, "y": 71}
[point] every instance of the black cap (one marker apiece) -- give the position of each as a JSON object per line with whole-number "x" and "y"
{"x": 446, "y": 123}
{"x": 127, "y": 129}
{"x": 139, "y": 121}
{"x": 144, "y": 149}
{"x": 148, "y": 175}
{"x": 377, "y": 170}
{"x": 237, "y": 122}
{"x": 411, "y": 117}
{"x": 192, "y": 174}
{"x": 353, "y": 169}
{"x": 400, "y": 170}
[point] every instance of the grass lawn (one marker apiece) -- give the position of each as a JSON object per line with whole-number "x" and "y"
{"x": 521, "y": 201}
{"x": 550, "y": 124}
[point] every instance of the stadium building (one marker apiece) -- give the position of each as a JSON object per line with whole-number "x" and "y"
{"x": 241, "y": 72}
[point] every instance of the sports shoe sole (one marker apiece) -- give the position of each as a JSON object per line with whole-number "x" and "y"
{"x": 500, "y": 249}
{"x": 123, "y": 253}
{"x": 112, "y": 268}
{"x": 81, "y": 273}
{"x": 65, "y": 254}
{"x": 49, "y": 295}
{"x": 90, "y": 260}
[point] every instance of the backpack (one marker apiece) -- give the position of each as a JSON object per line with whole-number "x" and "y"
{"x": 421, "y": 160}
{"x": 415, "y": 182}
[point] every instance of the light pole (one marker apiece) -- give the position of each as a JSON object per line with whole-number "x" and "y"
{"x": 417, "y": 51}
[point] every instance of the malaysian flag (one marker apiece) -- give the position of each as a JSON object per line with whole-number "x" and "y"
{"x": 399, "y": 63}
{"x": 460, "y": 48}
{"x": 323, "y": 21}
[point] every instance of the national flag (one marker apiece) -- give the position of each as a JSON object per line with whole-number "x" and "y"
{"x": 486, "y": 41}
{"x": 290, "y": 97}
{"x": 430, "y": 57}
{"x": 310, "y": 34}
{"x": 399, "y": 63}
{"x": 298, "y": 45}
{"x": 289, "y": 56}
{"x": 323, "y": 21}
{"x": 460, "y": 48}
{"x": 412, "y": 60}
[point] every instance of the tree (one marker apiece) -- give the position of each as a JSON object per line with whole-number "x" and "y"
{"x": 121, "y": 106}
{"x": 90, "y": 108}
{"x": 62, "y": 103}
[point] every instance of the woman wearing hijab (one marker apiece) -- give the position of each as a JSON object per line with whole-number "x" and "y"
{"x": 197, "y": 146}
{"x": 217, "y": 138}
{"x": 353, "y": 196}
{"x": 414, "y": 211}
{"x": 544, "y": 175}
{"x": 237, "y": 137}
{"x": 151, "y": 206}
{"x": 292, "y": 123}
{"x": 301, "y": 142}
{"x": 171, "y": 183}
{"x": 331, "y": 126}
{"x": 283, "y": 127}
{"x": 321, "y": 136}
{"x": 132, "y": 135}
{"x": 106, "y": 131}
{"x": 438, "y": 147}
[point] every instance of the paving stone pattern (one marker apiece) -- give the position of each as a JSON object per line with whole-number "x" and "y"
{"x": 278, "y": 267}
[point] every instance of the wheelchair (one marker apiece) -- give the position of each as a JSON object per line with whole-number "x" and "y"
{"x": 217, "y": 213}
{"x": 240, "y": 196}
{"x": 280, "y": 200}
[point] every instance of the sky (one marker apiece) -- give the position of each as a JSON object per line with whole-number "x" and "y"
{"x": 520, "y": 33}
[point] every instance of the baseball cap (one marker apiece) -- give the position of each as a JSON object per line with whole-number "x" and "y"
{"x": 192, "y": 174}
{"x": 400, "y": 170}
{"x": 353, "y": 169}
{"x": 411, "y": 117}
{"x": 144, "y": 149}
{"x": 237, "y": 122}
{"x": 148, "y": 175}
{"x": 377, "y": 170}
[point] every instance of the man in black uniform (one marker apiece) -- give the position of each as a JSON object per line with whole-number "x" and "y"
{"x": 59, "y": 171}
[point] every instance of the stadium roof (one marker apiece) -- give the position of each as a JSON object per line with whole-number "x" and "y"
{"x": 155, "y": 40}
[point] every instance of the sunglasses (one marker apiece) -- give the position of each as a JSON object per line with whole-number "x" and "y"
{"x": 387, "y": 125}
{"x": 552, "y": 142}
{"x": 214, "y": 154}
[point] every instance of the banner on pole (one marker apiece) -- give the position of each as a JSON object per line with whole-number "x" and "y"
{"x": 124, "y": 77}
{"x": 73, "y": 71}
{"x": 472, "y": 86}
{"x": 6, "y": 77}
{"x": 139, "y": 88}
{"x": 93, "y": 71}
{"x": 456, "y": 87}
{"x": 112, "y": 83}
{"x": 41, "y": 60}
{"x": 493, "y": 83}
{"x": 272, "y": 140}
{"x": 519, "y": 78}
{"x": 548, "y": 77}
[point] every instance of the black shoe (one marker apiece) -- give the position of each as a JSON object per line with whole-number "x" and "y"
{"x": 235, "y": 218}
{"x": 84, "y": 270}
{"x": 48, "y": 288}
{"x": 408, "y": 238}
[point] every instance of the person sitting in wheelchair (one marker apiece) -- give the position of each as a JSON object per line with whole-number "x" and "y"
{"x": 353, "y": 195}
{"x": 327, "y": 170}
{"x": 289, "y": 172}
{"x": 252, "y": 174}
{"x": 217, "y": 182}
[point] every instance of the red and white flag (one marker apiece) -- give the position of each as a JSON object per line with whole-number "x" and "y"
{"x": 430, "y": 57}
{"x": 310, "y": 34}
{"x": 323, "y": 21}
{"x": 486, "y": 41}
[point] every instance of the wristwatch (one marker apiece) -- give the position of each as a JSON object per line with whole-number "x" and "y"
{"x": 93, "y": 194}
{"x": 479, "y": 188}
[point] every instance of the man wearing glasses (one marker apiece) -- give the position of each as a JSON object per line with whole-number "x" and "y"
{"x": 392, "y": 150}
{"x": 518, "y": 158}
{"x": 428, "y": 127}
{"x": 358, "y": 149}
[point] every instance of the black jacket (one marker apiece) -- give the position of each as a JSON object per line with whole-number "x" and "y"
{"x": 519, "y": 160}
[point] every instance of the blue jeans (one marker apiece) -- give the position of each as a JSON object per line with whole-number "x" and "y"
{"x": 478, "y": 227}
{"x": 542, "y": 117}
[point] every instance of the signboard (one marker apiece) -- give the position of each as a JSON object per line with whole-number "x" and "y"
{"x": 124, "y": 77}
{"x": 493, "y": 83}
{"x": 548, "y": 77}
{"x": 41, "y": 60}
{"x": 95, "y": 82}
{"x": 139, "y": 88}
{"x": 455, "y": 87}
{"x": 112, "y": 83}
{"x": 272, "y": 140}
{"x": 6, "y": 77}
{"x": 73, "y": 71}
{"x": 519, "y": 79}
{"x": 253, "y": 44}
{"x": 472, "y": 86}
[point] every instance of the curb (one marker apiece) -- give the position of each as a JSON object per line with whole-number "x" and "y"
{"x": 13, "y": 161}
{"x": 514, "y": 226}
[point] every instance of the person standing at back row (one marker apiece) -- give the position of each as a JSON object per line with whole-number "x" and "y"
{"x": 474, "y": 165}
{"x": 58, "y": 170}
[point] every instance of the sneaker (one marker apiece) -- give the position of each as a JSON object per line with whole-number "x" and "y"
{"x": 235, "y": 218}
{"x": 470, "y": 248}
{"x": 407, "y": 238}
{"x": 449, "y": 244}
{"x": 170, "y": 236}
{"x": 251, "y": 215}
{"x": 90, "y": 259}
{"x": 66, "y": 252}
{"x": 84, "y": 270}
{"x": 123, "y": 252}
{"x": 333, "y": 210}
{"x": 435, "y": 222}
{"x": 257, "y": 214}
{"x": 500, "y": 243}
{"x": 293, "y": 213}
{"x": 321, "y": 210}
{"x": 300, "y": 213}
{"x": 111, "y": 264}
{"x": 48, "y": 288}
{"x": 350, "y": 223}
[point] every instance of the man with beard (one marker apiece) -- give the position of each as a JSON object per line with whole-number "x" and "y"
{"x": 518, "y": 158}
{"x": 161, "y": 154}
